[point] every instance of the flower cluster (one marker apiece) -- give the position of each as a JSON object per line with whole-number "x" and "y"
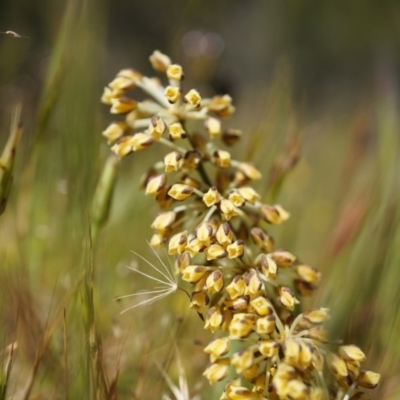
{"x": 214, "y": 223}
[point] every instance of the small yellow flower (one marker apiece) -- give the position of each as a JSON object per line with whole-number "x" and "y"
{"x": 173, "y": 161}
{"x": 176, "y": 131}
{"x": 180, "y": 192}
{"x": 192, "y": 98}
{"x": 172, "y": 94}
{"x": 212, "y": 197}
{"x": 115, "y": 130}
{"x": 122, "y": 105}
{"x": 175, "y": 72}
{"x": 156, "y": 127}
{"x": 217, "y": 371}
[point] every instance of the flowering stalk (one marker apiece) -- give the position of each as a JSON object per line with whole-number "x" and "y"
{"x": 214, "y": 223}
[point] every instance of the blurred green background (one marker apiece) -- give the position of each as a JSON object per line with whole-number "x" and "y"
{"x": 316, "y": 86}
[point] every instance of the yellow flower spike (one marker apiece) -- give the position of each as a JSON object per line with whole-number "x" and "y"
{"x": 155, "y": 184}
{"x": 109, "y": 95}
{"x": 227, "y": 209}
{"x": 250, "y": 171}
{"x": 172, "y": 94}
{"x": 217, "y": 371}
{"x": 242, "y": 360}
{"x": 262, "y": 239}
{"x": 199, "y": 300}
{"x": 173, "y": 161}
{"x": 212, "y": 197}
{"x": 192, "y": 98}
{"x": 236, "y": 198}
{"x": 283, "y": 259}
{"x": 274, "y": 215}
{"x": 175, "y": 72}
{"x": 224, "y": 234}
{"x": 215, "y": 282}
{"x": 123, "y": 146}
{"x": 249, "y": 194}
{"x": 180, "y": 192}
{"x": 216, "y": 251}
{"x": 351, "y": 353}
{"x": 156, "y": 127}
{"x": 317, "y": 316}
{"x": 222, "y": 158}
{"x": 308, "y": 274}
{"x": 268, "y": 348}
{"x": 122, "y": 105}
{"x": 115, "y": 131}
{"x": 286, "y": 297}
{"x": 193, "y": 273}
{"x": 231, "y": 136}
{"x": 253, "y": 283}
{"x": 237, "y": 287}
{"x": 241, "y": 325}
{"x": 236, "y": 249}
{"x": 368, "y": 379}
{"x": 262, "y": 306}
{"x": 218, "y": 347}
{"x": 213, "y": 127}
{"x": 177, "y": 243}
{"x": 176, "y": 131}
{"x": 163, "y": 220}
{"x": 140, "y": 141}
{"x": 159, "y": 61}
{"x": 214, "y": 319}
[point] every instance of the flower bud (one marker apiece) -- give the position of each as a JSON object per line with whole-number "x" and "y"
{"x": 115, "y": 130}
{"x": 122, "y": 105}
{"x": 173, "y": 161}
{"x": 180, "y": 192}
{"x": 215, "y": 282}
{"x": 156, "y": 127}
{"x": 159, "y": 61}
{"x": 222, "y": 158}
{"x": 213, "y": 126}
{"x": 274, "y": 215}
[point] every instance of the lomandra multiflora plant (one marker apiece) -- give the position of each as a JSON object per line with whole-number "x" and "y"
{"x": 214, "y": 223}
